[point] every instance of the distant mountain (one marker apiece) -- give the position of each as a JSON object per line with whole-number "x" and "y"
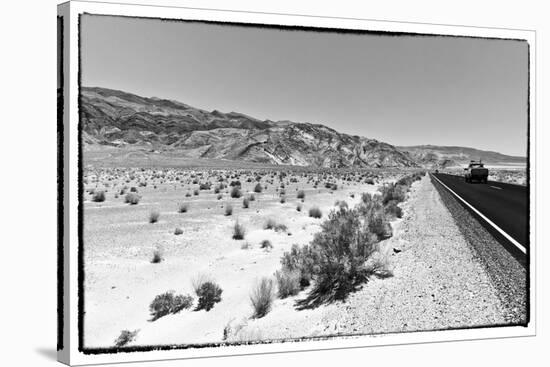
{"x": 432, "y": 156}
{"x": 117, "y": 118}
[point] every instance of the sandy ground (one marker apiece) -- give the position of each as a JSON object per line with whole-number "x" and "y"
{"x": 437, "y": 284}
{"x": 121, "y": 281}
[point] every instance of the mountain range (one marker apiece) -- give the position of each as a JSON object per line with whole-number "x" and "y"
{"x": 120, "y": 119}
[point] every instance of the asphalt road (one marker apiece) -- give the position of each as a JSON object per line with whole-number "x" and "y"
{"x": 506, "y": 205}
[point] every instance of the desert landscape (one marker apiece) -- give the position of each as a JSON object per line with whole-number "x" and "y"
{"x": 259, "y": 184}
{"x": 190, "y": 245}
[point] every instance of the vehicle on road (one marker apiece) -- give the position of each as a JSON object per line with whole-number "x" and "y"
{"x": 476, "y": 172}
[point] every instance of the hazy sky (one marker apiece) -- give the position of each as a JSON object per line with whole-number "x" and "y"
{"x": 403, "y": 90}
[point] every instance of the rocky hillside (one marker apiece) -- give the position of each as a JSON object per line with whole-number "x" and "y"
{"x": 432, "y": 156}
{"x": 116, "y": 118}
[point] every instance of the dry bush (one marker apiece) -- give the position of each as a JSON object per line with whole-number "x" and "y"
{"x": 301, "y": 194}
{"x": 258, "y": 188}
{"x": 168, "y": 303}
{"x": 132, "y": 198}
{"x": 299, "y": 207}
{"x": 266, "y": 245}
{"x": 157, "y": 256}
{"x": 99, "y": 196}
{"x": 125, "y": 337}
{"x": 315, "y": 212}
{"x": 228, "y": 209}
{"x": 262, "y": 297}
{"x": 178, "y": 231}
{"x": 288, "y": 283}
{"x": 238, "y": 231}
{"x": 246, "y": 203}
{"x": 236, "y": 192}
{"x": 154, "y": 216}
{"x": 183, "y": 207}
{"x": 209, "y": 293}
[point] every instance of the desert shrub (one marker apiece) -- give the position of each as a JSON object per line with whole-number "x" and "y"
{"x": 99, "y": 196}
{"x": 262, "y": 297}
{"x": 301, "y": 194}
{"x": 258, "y": 188}
{"x": 235, "y": 183}
{"x": 209, "y": 293}
{"x": 266, "y": 245}
{"x": 236, "y": 192}
{"x": 187, "y": 194}
{"x": 183, "y": 207}
{"x": 246, "y": 246}
{"x": 238, "y": 231}
{"x": 217, "y": 190}
{"x": 154, "y": 216}
{"x": 299, "y": 207}
{"x": 125, "y": 337}
{"x": 252, "y": 197}
{"x": 341, "y": 204}
{"x": 196, "y": 192}
{"x": 167, "y": 303}
{"x": 157, "y": 256}
{"x": 315, "y": 212}
{"x": 133, "y": 189}
{"x": 392, "y": 209}
{"x": 131, "y": 198}
{"x": 343, "y": 245}
{"x": 272, "y": 224}
{"x": 178, "y": 231}
{"x": 219, "y": 197}
{"x": 303, "y": 260}
{"x": 182, "y": 302}
{"x": 205, "y": 186}
{"x": 246, "y": 203}
{"x": 282, "y": 200}
{"x": 228, "y": 209}
{"x": 288, "y": 283}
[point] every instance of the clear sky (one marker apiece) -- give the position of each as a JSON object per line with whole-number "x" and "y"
{"x": 403, "y": 90}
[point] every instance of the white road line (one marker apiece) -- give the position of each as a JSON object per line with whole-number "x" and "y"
{"x": 508, "y": 237}
{"x": 496, "y": 187}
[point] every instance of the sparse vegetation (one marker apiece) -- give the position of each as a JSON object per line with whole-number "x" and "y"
{"x": 98, "y": 196}
{"x": 168, "y": 303}
{"x": 228, "y": 209}
{"x": 157, "y": 256}
{"x": 178, "y": 231}
{"x": 258, "y": 188}
{"x": 125, "y": 337}
{"x": 132, "y": 198}
{"x": 236, "y": 192}
{"x": 262, "y": 297}
{"x": 208, "y": 293}
{"x": 183, "y": 207}
{"x": 301, "y": 194}
{"x": 266, "y": 245}
{"x": 315, "y": 212}
{"x": 246, "y": 203}
{"x": 238, "y": 231}
{"x": 288, "y": 283}
{"x": 154, "y": 216}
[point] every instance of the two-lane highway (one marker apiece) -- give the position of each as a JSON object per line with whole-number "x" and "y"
{"x": 505, "y": 205}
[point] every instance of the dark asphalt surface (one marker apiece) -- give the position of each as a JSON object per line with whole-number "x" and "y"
{"x": 506, "y": 205}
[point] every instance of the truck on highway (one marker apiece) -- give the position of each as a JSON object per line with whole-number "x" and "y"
{"x": 476, "y": 172}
